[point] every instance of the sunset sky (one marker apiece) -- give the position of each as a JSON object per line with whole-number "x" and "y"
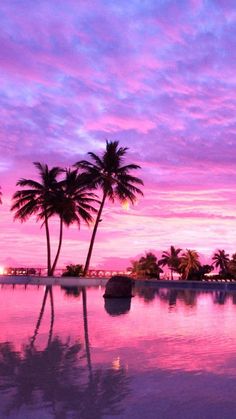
{"x": 160, "y": 77}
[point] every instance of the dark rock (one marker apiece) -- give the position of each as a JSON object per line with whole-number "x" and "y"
{"x": 117, "y": 306}
{"x": 119, "y": 287}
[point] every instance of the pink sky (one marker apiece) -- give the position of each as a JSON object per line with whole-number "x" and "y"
{"x": 157, "y": 76}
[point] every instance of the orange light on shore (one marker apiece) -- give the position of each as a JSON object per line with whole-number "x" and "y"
{"x": 1, "y": 270}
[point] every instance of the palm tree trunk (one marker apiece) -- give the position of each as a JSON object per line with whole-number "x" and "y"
{"x": 48, "y": 246}
{"x": 87, "y": 263}
{"x": 86, "y": 335}
{"x": 58, "y": 249}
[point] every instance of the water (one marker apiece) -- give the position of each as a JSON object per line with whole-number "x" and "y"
{"x": 164, "y": 354}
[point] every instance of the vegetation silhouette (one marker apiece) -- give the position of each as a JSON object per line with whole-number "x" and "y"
{"x": 34, "y": 200}
{"x": 68, "y": 198}
{"x": 146, "y": 267}
{"x": 221, "y": 260}
{"x": 171, "y": 259}
{"x": 189, "y": 263}
{"x": 73, "y": 270}
{"x": 71, "y": 201}
{"x": 113, "y": 178}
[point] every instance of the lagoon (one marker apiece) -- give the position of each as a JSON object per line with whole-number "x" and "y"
{"x": 167, "y": 353}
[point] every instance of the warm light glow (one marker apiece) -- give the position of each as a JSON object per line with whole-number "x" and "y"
{"x": 116, "y": 363}
{"x": 1, "y": 270}
{"x": 125, "y": 205}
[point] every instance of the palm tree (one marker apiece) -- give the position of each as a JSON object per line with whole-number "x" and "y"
{"x": 189, "y": 263}
{"x": 171, "y": 259}
{"x": 114, "y": 179}
{"x": 36, "y": 198}
{"x": 0, "y": 196}
{"x": 71, "y": 201}
{"x": 67, "y": 199}
{"x": 221, "y": 260}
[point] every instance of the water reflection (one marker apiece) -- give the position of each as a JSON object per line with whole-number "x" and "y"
{"x": 173, "y": 355}
{"x": 72, "y": 291}
{"x": 117, "y": 306}
{"x": 188, "y": 297}
{"x": 48, "y": 291}
{"x": 55, "y": 380}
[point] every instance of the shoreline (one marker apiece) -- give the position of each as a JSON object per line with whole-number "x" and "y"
{"x": 79, "y": 282}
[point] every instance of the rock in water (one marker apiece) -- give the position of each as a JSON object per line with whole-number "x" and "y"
{"x": 119, "y": 287}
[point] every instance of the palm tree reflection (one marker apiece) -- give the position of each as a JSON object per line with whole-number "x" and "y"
{"x": 56, "y": 380}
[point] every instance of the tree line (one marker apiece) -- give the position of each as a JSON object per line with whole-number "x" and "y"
{"x": 184, "y": 263}
{"x": 69, "y": 194}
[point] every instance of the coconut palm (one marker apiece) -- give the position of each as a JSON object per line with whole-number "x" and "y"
{"x": 34, "y": 200}
{"x": 72, "y": 202}
{"x": 113, "y": 178}
{"x": 67, "y": 198}
{"x": 189, "y": 263}
{"x": 221, "y": 260}
{"x": 171, "y": 259}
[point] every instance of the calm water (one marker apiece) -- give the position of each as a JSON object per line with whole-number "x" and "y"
{"x": 165, "y": 354}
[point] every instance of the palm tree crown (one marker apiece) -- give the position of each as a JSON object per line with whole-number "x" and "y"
{"x": 171, "y": 259}
{"x": 108, "y": 173}
{"x": 189, "y": 263}
{"x": 67, "y": 198}
{"x": 36, "y": 199}
{"x": 221, "y": 260}
{"x": 114, "y": 179}
{"x": 72, "y": 201}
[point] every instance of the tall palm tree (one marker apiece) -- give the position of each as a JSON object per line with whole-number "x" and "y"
{"x": 36, "y": 198}
{"x": 67, "y": 198}
{"x": 221, "y": 260}
{"x": 171, "y": 259}
{"x": 71, "y": 201}
{"x": 113, "y": 178}
{"x": 189, "y": 263}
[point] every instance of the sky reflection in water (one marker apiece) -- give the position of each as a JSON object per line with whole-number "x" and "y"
{"x": 65, "y": 353}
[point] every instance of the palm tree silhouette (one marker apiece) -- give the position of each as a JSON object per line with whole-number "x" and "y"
{"x": 68, "y": 198}
{"x": 189, "y": 262}
{"x": 54, "y": 379}
{"x": 221, "y": 260}
{"x": 0, "y": 196}
{"x": 71, "y": 201}
{"x": 36, "y": 198}
{"x": 114, "y": 179}
{"x": 171, "y": 259}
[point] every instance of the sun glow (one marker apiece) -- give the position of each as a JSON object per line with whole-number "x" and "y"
{"x": 1, "y": 270}
{"x": 125, "y": 205}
